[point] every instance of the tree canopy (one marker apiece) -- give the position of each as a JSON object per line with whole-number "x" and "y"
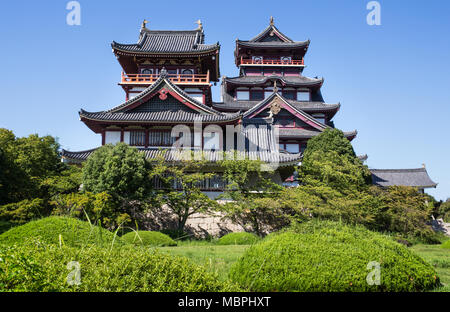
{"x": 329, "y": 160}
{"x": 119, "y": 170}
{"x": 25, "y": 163}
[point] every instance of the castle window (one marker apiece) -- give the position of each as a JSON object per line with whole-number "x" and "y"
{"x": 137, "y": 138}
{"x": 303, "y": 96}
{"x": 161, "y": 138}
{"x": 188, "y": 72}
{"x": 293, "y": 148}
{"x": 172, "y": 71}
{"x": 242, "y": 95}
{"x": 257, "y": 59}
{"x": 289, "y": 94}
{"x": 147, "y": 71}
{"x": 256, "y": 95}
{"x": 286, "y": 59}
{"x": 211, "y": 141}
{"x": 112, "y": 137}
{"x": 290, "y": 147}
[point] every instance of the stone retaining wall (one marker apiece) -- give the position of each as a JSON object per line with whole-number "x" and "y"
{"x": 199, "y": 225}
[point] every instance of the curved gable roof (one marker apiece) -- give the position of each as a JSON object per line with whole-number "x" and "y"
{"x": 167, "y": 42}
{"x": 272, "y": 31}
{"x": 264, "y": 104}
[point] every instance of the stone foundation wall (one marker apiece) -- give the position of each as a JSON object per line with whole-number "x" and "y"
{"x": 199, "y": 225}
{"x": 203, "y": 225}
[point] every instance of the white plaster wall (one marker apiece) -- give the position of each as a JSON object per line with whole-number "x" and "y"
{"x": 112, "y": 137}
{"x": 126, "y": 137}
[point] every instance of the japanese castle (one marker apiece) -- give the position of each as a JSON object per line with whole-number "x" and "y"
{"x": 274, "y": 110}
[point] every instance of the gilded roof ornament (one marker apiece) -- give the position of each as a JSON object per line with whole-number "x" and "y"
{"x": 200, "y": 25}
{"x": 144, "y": 24}
{"x": 271, "y": 21}
{"x": 275, "y": 106}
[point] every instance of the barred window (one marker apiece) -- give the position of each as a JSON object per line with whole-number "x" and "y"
{"x": 215, "y": 183}
{"x": 137, "y": 138}
{"x": 161, "y": 138}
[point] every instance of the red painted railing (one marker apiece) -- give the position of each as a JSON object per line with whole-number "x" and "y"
{"x": 271, "y": 62}
{"x": 175, "y": 78}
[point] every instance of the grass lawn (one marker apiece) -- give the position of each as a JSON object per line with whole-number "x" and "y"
{"x": 437, "y": 257}
{"x": 213, "y": 257}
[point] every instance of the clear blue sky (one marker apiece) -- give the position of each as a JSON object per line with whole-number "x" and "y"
{"x": 392, "y": 80}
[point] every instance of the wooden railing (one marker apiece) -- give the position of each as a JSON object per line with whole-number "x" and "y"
{"x": 175, "y": 78}
{"x": 272, "y": 62}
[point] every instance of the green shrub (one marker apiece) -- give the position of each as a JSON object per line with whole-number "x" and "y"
{"x": 446, "y": 245}
{"x": 329, "y": 256}
{"x": 41, "y": 267}
{"x": 98, "y": 207}
{"x": 241, "y": 238}
{"x": 73, "y": 232}
{"x": 119, "y": 170}
{"x": 24, "y": 211}
{"x": 148, "y": 238}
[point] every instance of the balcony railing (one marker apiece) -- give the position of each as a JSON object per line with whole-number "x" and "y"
{"x": 272, "y": 62}
{"x": 193, "y": 79}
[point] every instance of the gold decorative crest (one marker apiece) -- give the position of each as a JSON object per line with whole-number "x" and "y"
{"x": 275, "y": 106}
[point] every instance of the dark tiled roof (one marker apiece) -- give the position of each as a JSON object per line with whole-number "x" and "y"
{"x": 406, "y": 177}
{"x": 267, "y": 31}
{"x": 172, "y": 155}
{"x": 157, "y": 117}
{"x": 307, "y": 134}
{"x": 273, "y": 44}
{"x": 236, "y": 105}
{"x": 285, "y": 80}
{"x": 168, "y": 42}
{"x": 272, "y": 31}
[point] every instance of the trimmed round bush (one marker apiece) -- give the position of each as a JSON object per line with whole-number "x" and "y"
{"x": 74, "y": 232}
{"x": 40, "y": 267}
{"x": 446, "y": 244}
{"x": 325, "y": 256}
{"x": 148, "y": 238}
{"x": 240, "y": 238}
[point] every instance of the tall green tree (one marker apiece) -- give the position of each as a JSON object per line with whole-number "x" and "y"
{"x": 329, "y": 160}
{"x": 334, "y": 183}
{"x": 25, "y": 163}
{"x": 180, "y": 188}
{"x": 119, "y": 170}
